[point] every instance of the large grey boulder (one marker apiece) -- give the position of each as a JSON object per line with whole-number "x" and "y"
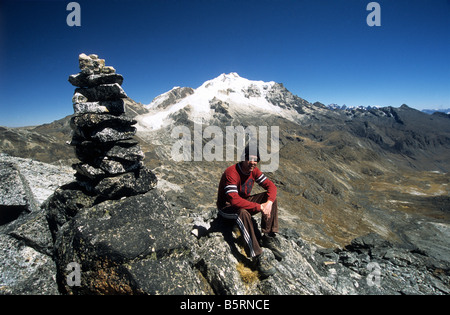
{"x": 129, "y": 246}
{"x": 26, "y": 245}
{"x": 13, "y": 195}
{"x": 24, "y": 270}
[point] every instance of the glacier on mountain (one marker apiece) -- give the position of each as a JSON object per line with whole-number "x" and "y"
{"x": 240, "y": 94}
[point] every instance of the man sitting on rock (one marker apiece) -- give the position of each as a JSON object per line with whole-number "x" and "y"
{"x": 234, "y": 202}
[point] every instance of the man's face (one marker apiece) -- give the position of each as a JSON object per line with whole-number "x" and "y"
{"x": 251, "y": 163}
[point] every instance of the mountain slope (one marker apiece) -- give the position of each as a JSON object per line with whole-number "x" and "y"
{"x": 48, "y": 142}
{"x": 341, "y": 174}
{"x": 140, "y": 245}
{"x": 229, "y": 95}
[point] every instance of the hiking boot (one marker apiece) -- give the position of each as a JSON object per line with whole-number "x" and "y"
{"x": 264, "y": 267}
{"x": 272, "y": 243}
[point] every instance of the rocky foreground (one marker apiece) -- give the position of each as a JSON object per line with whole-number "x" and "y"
{"x": 146, "y": 244}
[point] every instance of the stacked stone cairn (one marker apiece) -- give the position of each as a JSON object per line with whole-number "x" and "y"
{"x": 111, "y": 159}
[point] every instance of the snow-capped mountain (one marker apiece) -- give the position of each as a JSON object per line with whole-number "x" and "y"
{"x": 228, "y": 94}
{"x": 345, "y": 107}
{"x": 432, "y": 111}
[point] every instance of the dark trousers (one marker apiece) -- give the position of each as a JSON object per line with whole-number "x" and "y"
{"x": 244, "y": 220}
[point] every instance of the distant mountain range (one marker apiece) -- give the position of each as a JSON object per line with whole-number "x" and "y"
{"x": 345, "y": 107}
{"x": 432, "y": 111}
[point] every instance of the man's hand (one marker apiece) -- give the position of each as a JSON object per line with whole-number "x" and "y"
{"x": 266, "y": 208}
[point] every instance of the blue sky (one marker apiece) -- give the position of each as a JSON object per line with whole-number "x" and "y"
{"x": 321, "y": 50}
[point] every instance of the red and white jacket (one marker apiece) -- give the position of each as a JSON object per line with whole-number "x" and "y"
{"x": 235, "y": 187}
